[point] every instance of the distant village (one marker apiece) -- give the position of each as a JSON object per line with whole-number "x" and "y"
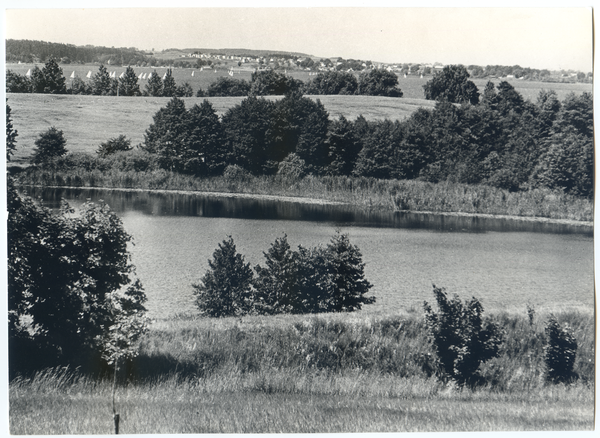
{"x": 315, "y": 65}
{"x": 25, "y": 51}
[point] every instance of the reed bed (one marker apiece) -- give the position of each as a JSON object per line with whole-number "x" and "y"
{"x": 365, "y": 193}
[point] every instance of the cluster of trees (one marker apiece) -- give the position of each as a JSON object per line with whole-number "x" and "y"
{"x": 503, "y": 141}
{"x": 50, "y": 80}
{"x": 310, "y": 280}
{"x": 256, "y": 134}
{"x": 73, "y": 297}
{"x": 271, "y": 82}
{"x": 523, "y": 72}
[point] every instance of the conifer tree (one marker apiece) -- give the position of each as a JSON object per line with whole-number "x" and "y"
{"x": 225, "y": 289}
{"x": 128, "y": 84}
{"x": 154, "y": 87}
{"x": 169, "y": 85}
{"x": 101, "y": 83}
{"x": 54, "y": 81}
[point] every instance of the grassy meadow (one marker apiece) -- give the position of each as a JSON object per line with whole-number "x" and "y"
{"x": 311, "y": 374}
{"x": 88, "y": 121}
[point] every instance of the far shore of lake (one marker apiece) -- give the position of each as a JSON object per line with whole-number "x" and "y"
{"x": 316, "y": 201}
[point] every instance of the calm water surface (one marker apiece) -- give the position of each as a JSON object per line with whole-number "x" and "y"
{"x": 508, "y": 264}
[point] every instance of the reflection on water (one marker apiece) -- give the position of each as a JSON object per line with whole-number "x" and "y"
{"x": 507, "y": 264}
{"x": 176, "y": 204}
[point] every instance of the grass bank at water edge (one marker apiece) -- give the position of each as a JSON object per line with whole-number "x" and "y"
{"x": 305, "y": 374}
{"x": 365, "y": 193}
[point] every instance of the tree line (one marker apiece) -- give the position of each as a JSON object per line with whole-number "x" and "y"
{"x": 41, "y": 51}
{"x": 503, "y": 141}
{"x": 50, "y": 80}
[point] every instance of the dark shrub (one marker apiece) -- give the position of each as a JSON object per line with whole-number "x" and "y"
{"x": 459, "y": 337}
{"x": 120, "y": 143}
{"x": 560, "y": 352}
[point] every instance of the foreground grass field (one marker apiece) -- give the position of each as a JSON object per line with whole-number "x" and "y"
{"x": 308, "y": 374}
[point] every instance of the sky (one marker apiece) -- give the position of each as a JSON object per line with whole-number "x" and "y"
{"x": 552, "y": 38}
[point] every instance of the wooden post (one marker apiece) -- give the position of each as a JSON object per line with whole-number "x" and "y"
{"x": 115, "y": 415}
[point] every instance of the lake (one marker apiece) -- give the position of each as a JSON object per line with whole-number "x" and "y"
{"x": 508, "y": 264}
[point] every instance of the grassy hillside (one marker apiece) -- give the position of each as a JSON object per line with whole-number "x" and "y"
{"x": 308, "y": 374}
{"x": 88, "y": 121}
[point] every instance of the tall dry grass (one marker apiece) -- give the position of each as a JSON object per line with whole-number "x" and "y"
{"x": 328, "y": 373}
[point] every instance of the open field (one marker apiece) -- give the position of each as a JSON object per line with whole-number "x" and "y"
{"x": 88, "y": 121}
{"x": 307, "y": 374}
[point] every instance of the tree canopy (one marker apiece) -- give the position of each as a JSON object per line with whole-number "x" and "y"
{"x": 452, "y": 84}
{"x": 50, "y": 144}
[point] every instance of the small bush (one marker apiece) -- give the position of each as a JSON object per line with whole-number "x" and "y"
{"x": 460, "y": 340}
{"x": 560, "y": 352}
{"x": 118, "y": 144}
{"x": 292, "y": 168}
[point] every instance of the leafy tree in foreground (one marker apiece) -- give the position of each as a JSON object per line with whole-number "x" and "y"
{"x": 332, "y": 82}
{"x": 344, "y": 147}
{"x": 346, "y": 276}
{"x": 71, "y": 285}
{"x": 49, "y": 145}
{"x": 225, "y": 86}
{"x": 168, "y": 136}
{"x": 16, "y": 83}
{"x": 452, "y": 84}
{"x": 270, "y": 82}
{"x": 277, "y": 283}
{"x": 79, "y": 86}
{"x": 459, "y": 337}
{"x": 169, "y": 86}
{"x": 184, "y": 90}
{"x": 225, "y": 289}
{"x": 206, "y": 153}
{"x": 38, "y": 81}
{"x": 248, "y": 133}
{"x": 118, "y": 144}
